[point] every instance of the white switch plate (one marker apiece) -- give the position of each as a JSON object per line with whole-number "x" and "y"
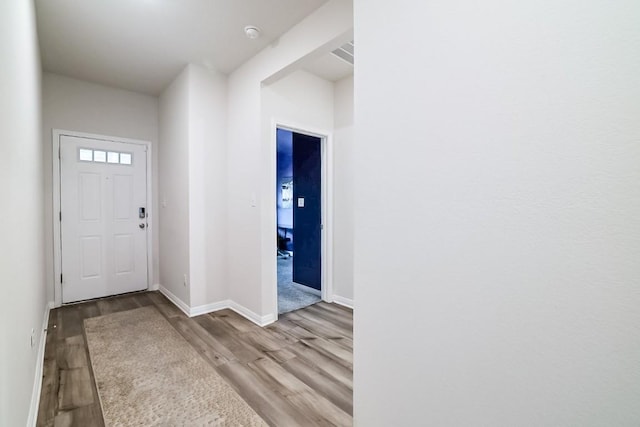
{"x": 301, "y": 202}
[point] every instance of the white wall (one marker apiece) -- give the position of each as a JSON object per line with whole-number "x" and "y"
{"x": 81, "y": 106}
{"x": 343, "y": 205}
{"x": 192, "y": 170}
{"x": 207, "y": 186}
{"x": 304, "y": 101}
{"x": 501, "y": 149}
{"x": 21, "y": 218}
{"x": 251, "y": 242}
{"x": 173, "y": 187}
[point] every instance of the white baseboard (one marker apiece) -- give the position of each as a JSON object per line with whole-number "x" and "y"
{"x": 154, "y": 287}
{"x": 250, "y": 315}
{"x": 209, "y": 308}
{"x": 37, "y": 380}
{"x": 216, "y": 306}
{"x": 343, "y": 301}
{"x": 183, "y": 306}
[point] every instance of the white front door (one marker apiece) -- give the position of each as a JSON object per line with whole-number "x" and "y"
{"x": 103, "y": 200}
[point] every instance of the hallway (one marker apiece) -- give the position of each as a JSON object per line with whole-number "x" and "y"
{"x": 297, "y": 371}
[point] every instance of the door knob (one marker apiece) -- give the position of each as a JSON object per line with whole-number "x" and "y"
{"x": 141, "y": 225}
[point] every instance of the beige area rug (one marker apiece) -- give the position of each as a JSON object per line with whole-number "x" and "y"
{"x": 147, "y": 374}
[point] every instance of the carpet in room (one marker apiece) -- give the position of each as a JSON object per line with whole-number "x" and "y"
{"x": 292, "y": 296}
{"x": 147, "y": 374}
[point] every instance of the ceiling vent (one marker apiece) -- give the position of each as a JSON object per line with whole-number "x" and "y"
{"x": 345, "y": 52}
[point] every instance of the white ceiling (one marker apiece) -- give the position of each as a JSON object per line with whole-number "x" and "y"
{"x": 142, "y": 45}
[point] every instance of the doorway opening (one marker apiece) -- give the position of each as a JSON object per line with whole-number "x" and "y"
{"x": 299, "y": 219}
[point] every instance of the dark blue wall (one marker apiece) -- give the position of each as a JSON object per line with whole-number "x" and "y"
{"x": 284, "y": 140}
{"x": 307, "y": 185}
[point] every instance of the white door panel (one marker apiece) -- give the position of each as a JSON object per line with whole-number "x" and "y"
{"x": 104, "y": 248}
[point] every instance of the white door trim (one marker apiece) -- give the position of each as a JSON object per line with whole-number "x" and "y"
{"x": 57, "y": 255}
{"x": 326, "y": 236}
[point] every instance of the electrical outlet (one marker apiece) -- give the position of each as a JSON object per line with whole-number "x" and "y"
{"x": 184, "y": 282}
{"x": 33, "y": 337}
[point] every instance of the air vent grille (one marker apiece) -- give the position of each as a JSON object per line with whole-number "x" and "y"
{"x": 345, "y": 52}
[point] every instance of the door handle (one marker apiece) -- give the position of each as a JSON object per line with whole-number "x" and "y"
{"x": 141, "y": 225}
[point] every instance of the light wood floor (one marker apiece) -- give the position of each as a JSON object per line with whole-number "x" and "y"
{"x": 295, "y": 372}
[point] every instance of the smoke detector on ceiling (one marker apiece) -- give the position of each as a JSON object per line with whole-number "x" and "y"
{"x": 252, "y": 32}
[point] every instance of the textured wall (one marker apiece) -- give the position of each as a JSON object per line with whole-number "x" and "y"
{"x": 500, "y": 143}
{"x": 22, "y": 264}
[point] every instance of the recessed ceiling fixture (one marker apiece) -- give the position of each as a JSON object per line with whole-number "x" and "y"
{"x": 252, "y": 32}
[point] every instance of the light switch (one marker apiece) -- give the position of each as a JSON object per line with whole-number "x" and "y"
{"x": 301, "y": 202}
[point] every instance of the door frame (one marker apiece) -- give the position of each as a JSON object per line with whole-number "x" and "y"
{"x": 55, "y": 213}
{"x": 326, "y": 201}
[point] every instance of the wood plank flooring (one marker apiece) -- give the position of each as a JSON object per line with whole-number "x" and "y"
{"x": 295, "y": 372}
